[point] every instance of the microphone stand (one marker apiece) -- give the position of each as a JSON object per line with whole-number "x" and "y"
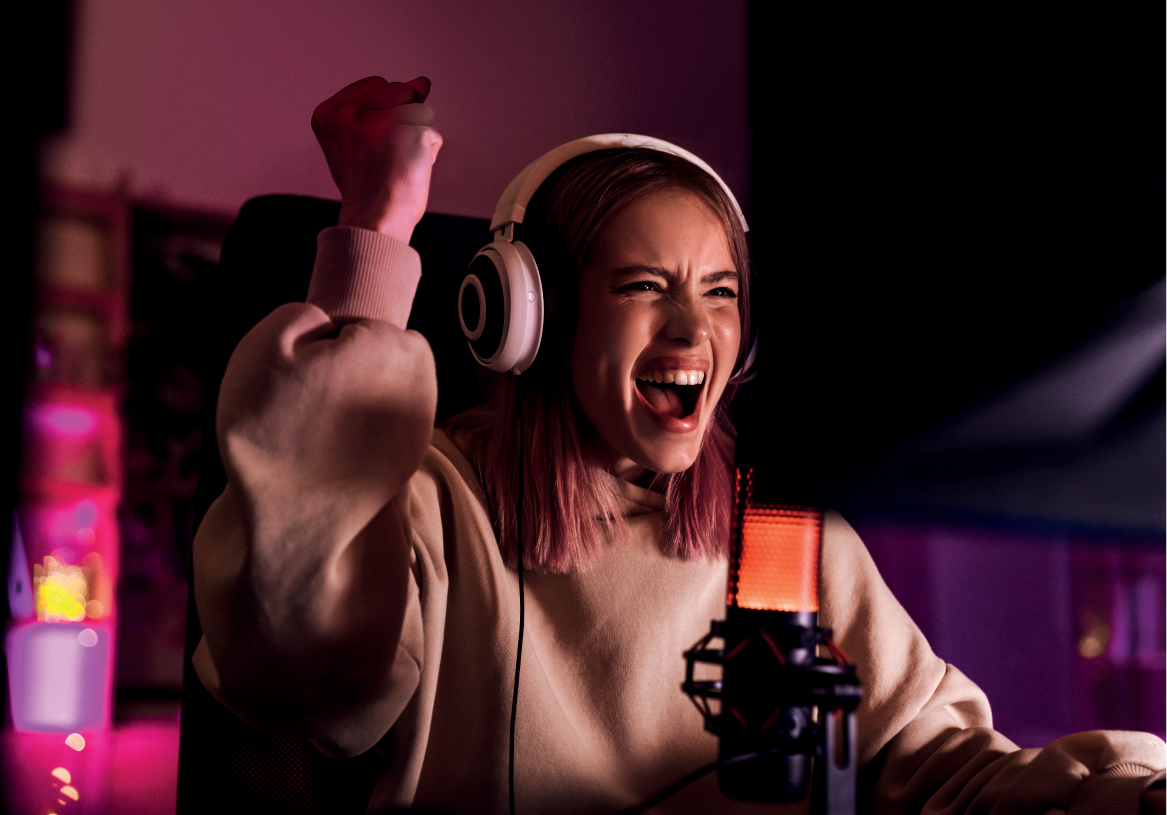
{"x": 781, "y": 703}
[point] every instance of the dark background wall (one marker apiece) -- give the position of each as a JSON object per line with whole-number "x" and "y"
{"x": 42, "y": 109}
{"x": 945, "y": 202}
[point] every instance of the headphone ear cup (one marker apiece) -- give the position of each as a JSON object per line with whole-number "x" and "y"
{"x": 482, "y": 306}
{"x": 500, "y": 307}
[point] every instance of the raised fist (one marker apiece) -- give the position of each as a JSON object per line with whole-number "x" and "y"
{"x": 377, "y": 138}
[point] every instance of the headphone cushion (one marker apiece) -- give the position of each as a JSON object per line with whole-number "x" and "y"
{"x": 491, "y": 311}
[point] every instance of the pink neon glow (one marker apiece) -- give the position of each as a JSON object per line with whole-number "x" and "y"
{"x": 66, "y": 527}
{"x": 135, "y": 771}
{"x": 66, "y": 420}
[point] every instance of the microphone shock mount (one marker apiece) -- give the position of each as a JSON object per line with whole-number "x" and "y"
{"x": 782, "y": 704}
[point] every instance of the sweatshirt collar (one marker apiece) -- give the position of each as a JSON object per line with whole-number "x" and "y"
{"x": 639, "y": 500}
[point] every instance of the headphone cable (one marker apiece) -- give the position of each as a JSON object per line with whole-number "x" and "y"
{"x": 681, "y": 783}
{"x": 522, "y": 596}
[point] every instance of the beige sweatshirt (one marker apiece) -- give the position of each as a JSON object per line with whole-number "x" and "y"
{"x": 351, "y": 590}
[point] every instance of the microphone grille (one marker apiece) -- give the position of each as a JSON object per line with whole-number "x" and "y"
{"x": 774, "y": 560}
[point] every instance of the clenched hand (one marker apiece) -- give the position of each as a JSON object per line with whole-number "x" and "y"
{"x": 380, "y": 147}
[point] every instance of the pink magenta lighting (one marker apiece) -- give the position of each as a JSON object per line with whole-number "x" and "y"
{"x": 65, "y": 420}
{"x": 60, "y": 657}
{"x": 71, "y": 525}
{"x": 44, "y": 357}
{"x": 70, "y": 543}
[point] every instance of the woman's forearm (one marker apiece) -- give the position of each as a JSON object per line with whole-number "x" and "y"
{"x": 302, "y": 566}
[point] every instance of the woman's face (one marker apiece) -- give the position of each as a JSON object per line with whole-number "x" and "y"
{"x": 658, "y": 332}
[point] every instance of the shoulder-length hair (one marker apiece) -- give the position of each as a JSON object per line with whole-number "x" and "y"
{"x": 530, "y": 437}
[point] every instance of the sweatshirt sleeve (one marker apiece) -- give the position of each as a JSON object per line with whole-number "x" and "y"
{"x": 302, "y": 566}
{"x": 926, "y": 735}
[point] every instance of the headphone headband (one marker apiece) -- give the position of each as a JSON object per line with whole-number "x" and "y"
{"x": 501, "y": 300}
{"x": 512, "y": 207}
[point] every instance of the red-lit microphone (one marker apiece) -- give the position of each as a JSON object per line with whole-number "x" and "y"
{"x": 780, "y": 704}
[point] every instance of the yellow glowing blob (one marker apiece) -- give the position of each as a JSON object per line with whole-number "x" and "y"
{"x": 62, "y": 775}
{"x": 61, "y": 591}
{"x": 94, "y": 609}
{"x": 69, "y": 792}
{"x": 54, "y": 601}
{"x": 76, "y": 741}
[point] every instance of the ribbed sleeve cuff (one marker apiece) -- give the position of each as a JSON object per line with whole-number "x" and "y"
{"x": 363, "y": 275}
{"x": 1115, "y": 791}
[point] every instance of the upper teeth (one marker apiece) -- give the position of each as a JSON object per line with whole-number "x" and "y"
{"x": 675, "y": 377}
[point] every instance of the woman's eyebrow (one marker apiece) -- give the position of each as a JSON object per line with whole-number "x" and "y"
{"x": 717, "y": 277}
{"x": 670, "y": 275}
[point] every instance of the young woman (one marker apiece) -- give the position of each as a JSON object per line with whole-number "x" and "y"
{"x": 357, "y": 580}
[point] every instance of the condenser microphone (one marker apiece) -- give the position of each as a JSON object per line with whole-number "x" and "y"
{"x": 786, "y": 718}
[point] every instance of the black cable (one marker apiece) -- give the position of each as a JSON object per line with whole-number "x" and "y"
{"x": 693, "y": 776}
{"x": 522, "y": 596}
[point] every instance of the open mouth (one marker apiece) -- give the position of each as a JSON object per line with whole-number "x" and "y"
{"x": 670, "y": 393}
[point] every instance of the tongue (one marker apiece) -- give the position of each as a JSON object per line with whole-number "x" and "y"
{"x": 663, "y": 400}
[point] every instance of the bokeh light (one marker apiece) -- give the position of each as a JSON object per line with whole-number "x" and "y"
{"x": 65, "y": 420}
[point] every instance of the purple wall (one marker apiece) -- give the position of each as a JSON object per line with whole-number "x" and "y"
{"x": 1063, "y": 632}
{"x": 208, "y": 103}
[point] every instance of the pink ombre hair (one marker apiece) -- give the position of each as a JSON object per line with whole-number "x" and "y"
{"x": 530, "y": 437}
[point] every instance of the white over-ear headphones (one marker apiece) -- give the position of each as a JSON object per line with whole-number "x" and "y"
{"x": 500, "y": 302}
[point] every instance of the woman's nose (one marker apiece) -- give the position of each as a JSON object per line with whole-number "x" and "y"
{"x": 687, "y": 323}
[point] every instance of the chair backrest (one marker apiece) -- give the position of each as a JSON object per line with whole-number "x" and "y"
{"x": 224, "y": 764}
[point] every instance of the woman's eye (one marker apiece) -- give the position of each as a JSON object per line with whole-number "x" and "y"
{"x": 639, "y": 285}
{"x": 723, "y": 291}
